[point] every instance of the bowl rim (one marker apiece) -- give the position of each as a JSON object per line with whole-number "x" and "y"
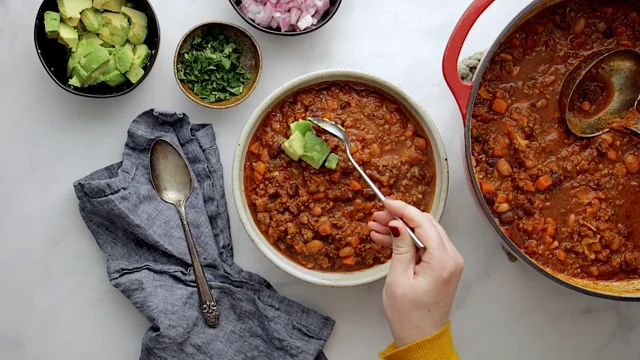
{"x": 212, "y": 105}
{"x": 339, "y": 75}
{"x": 152, "y": 59}
{"x": 287, "y": 33}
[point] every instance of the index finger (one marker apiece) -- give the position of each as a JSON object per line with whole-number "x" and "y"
{"x": 423, "y": 224}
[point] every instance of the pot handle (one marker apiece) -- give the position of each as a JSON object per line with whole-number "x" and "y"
{"x": 461, "y": 90}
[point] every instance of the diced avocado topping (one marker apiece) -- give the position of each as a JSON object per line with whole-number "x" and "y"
{"x": 124, "y": 57}
{"x": 71, "y": 21}
{"x": 94, "y": 59}
{"x": 134, "y": 74}
{"x": 135, "y": 16}
{"x": 302, "y": 126}
{"x": 69, "y": 36}
{"x": 141, "y": 55}
{"x": 111, "y": 5}
{"x": 114, "y": 79}
{"x": 294, "y": 147}
{"x": 92, "y": 20}
{"x": 316, "y": 150}
{"x": 51, "y": 21}
{"x": 118, "y": 26}
{"x": 306, "y": 145}
{"x": 71, "y": 9}
{"x": 332, "y": 161}
{"x": 137, "y": 34}
{"x": 105, "y": 38}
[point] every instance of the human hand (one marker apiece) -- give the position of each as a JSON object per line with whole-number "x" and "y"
{"x": 419, "y": 290}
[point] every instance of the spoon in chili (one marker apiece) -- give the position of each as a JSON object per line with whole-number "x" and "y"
{"x": 172, "y": 181}
{"x": 602, "y": 93}
{"x": 339, "y": 133}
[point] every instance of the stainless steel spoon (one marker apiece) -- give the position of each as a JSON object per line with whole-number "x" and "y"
{"x": 338, "y": 132}
{"x": 617, "y": 73}
{"x": 172, "y": 181}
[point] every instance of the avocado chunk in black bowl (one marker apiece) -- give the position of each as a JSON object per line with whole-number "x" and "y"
{"x": 99, "y": 48}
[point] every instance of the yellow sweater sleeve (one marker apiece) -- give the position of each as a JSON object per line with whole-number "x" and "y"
{"x": 438, "y": 346}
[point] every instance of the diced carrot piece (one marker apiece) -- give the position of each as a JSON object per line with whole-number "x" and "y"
{"x": 355, "y": 186}
{"x": 528, "y": 186}
{"x": 299, "y": 247}
{"x": 257, "y": 177}
{"x": 487, "y": 187}
{"x": 561, "y": 255}
{"x": 544, "y": 182}
{"x": 421, "y": 143}
{"x": 255, "y": 148}
{"x": 354, "y": 242}
{"x": 260, "y": 167}
{"x": 500, "y": 106}
{"x": 501, "y": 198}
{"x": 351, "y": 260}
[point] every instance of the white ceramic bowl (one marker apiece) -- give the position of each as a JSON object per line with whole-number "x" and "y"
{"x": 317, "y": 277}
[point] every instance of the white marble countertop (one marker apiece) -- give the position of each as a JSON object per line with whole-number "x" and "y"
{"x": 55, "y": 300}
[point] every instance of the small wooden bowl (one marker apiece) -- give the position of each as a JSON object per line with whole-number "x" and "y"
{"x": 251, "y": 60}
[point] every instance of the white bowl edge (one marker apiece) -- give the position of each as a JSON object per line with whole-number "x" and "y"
{"x": 325, "y": 278}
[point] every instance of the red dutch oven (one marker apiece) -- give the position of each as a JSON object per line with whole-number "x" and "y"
{"x": 465, "y": 94}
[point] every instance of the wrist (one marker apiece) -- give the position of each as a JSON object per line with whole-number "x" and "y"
{"x": 412, "y": 334}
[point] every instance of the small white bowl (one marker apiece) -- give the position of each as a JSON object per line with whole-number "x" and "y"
{"x": 325, "y": 278}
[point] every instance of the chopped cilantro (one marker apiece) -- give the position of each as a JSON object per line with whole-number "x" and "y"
{"x": 210, "y": 68}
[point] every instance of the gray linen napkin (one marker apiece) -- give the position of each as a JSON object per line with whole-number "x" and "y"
{"x": 148, "y": 260}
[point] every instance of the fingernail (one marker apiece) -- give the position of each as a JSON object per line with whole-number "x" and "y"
{"x": 394, "y": 231}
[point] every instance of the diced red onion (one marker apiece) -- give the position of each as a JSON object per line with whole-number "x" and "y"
{"x": 287, "y": 15}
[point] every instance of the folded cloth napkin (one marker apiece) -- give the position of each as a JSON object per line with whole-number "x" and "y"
{"x": 148, "y": 259}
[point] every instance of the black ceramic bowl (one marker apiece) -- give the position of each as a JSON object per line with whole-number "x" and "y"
{"x": 328, "y": 15}
{"x": 54, "y": 55}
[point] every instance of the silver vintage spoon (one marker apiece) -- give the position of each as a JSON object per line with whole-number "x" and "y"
{"x": 339, "y": 133}
{"x": 172, "y": 181}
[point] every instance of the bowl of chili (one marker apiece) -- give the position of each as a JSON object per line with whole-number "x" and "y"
{"x": 311, "y": 222}
{"x": 564, "y": 205}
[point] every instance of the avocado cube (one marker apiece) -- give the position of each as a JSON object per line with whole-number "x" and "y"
{"x": 141, "y": 55}
{"x": 111, "y": 5}
{"x": 316, "y": 150}
{"x": 51, "y": 21}
{"x": 105, "y": 34}
{"x": 75, "y": 82}
{"x": 84, "y": 47}
{"x": 91, "y": 36}
{"x": 114, "y": 78}
{"x": 91, "y": 19}
{"x": 124, "y": 57}
{"x": 96, "y": 58}
{"x": 137, "y": 34}
{"x": 68, "y": 36}
{"x": 118, "y": 27}
{"x": 71, "y": 9}
{"x": 332, "y": 161}
{"x": 72, "y": 21}
{"x": 302, "y": 126}
{"x": 135, "y": 16}
{"x": 294, "y": 147}
{"x": 134, "y": 74}
{"x": 96, "y": 76}
{"x": 79, "y": 74}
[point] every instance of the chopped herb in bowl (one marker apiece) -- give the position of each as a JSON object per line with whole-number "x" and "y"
{"x": 211, "y": 67}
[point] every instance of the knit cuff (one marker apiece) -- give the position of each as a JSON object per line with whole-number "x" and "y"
{"x": 438, "y": 346}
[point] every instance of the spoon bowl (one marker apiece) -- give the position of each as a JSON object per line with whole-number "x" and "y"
{"x": 599, "y": 94}
{"x": 171, "y": 178}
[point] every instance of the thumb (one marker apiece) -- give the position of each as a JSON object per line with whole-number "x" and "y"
{"x": 403, "y": 260}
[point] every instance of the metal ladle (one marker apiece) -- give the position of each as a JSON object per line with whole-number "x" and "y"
{"x": 617, "y": 71}
{"x": 339, "y": 133}
{"x": 172, "y": 181}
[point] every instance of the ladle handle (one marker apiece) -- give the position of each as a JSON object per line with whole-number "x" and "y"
{"x": 208, "y": 304}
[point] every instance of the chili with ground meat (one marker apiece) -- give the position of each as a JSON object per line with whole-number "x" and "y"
{"x": 570, "y": 203}
{"x": 318, "y": 218}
